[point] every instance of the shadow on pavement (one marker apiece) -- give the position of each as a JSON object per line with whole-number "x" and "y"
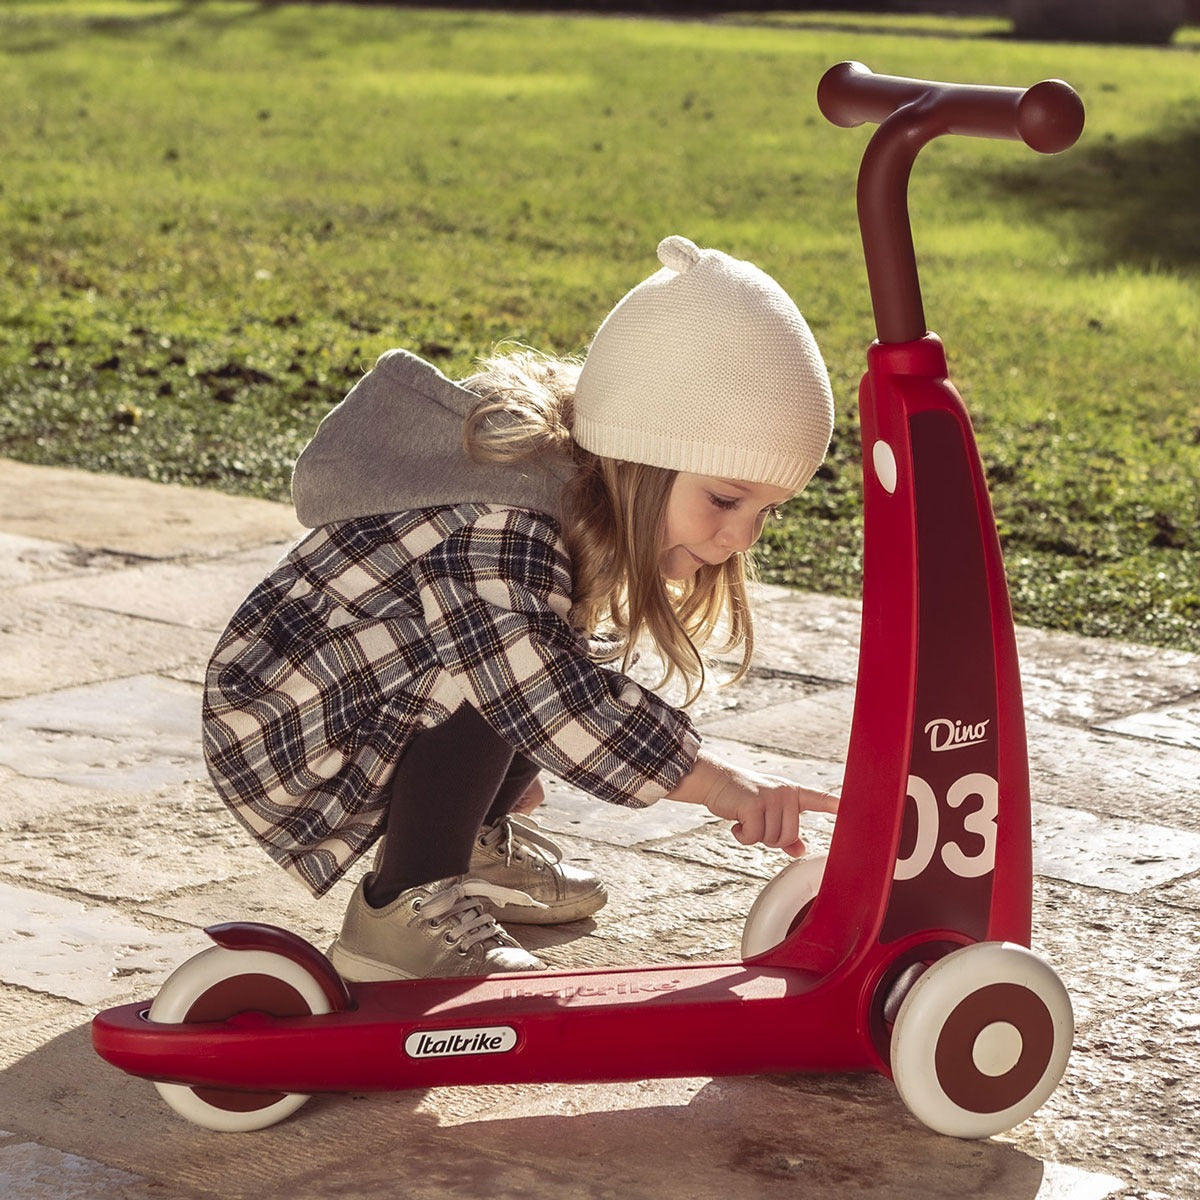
{"x": 752, "y": 1137}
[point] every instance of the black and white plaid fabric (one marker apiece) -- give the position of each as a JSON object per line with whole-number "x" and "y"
{"x": 372, "y": 629}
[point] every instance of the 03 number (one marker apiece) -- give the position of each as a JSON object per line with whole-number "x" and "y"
{"x": 981, "y": 822}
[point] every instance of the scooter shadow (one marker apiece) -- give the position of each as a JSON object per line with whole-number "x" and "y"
{"x": 728, "y": 1139}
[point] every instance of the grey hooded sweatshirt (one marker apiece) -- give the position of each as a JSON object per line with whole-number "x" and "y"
{"x": 395, "y": 443}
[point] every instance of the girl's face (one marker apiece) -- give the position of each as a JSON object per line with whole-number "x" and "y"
{"x": 708, "y": 518}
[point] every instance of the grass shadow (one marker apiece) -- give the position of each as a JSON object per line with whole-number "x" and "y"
{"x": 131, "y": 23}
{"x": 1134, "y": 202}
{"x": 861, "y": 24}
{"x": 128, "y": 22}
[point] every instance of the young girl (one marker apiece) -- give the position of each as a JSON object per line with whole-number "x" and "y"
{"x": 418, "y": 658}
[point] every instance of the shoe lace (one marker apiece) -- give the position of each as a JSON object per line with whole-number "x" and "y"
{"x": 468, "y": 922}
{"x": 521, "y": 838}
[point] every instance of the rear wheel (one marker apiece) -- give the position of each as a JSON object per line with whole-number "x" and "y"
{"x": 218, "y": 984}
{"x": 981, "y": 1040}
{"x": 781, "y": 904}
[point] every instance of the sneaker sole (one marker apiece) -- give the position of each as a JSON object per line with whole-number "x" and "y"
{"x": 560, "y": 913}
{"x": 358, "y": 969}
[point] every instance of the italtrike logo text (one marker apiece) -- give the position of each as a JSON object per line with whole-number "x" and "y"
{"x": 445, "y": 1043}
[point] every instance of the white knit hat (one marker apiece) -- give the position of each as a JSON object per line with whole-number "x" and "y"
{"x": 707, "y": 367}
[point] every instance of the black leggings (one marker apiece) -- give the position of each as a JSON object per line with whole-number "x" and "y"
{"x": 453, "y": 779}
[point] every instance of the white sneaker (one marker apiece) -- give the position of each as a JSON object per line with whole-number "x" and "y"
{"x": 435, "y": 930}
{"x": 514, "y": 853}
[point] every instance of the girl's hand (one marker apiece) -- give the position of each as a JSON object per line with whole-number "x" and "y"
{"x": 763, "y": 808}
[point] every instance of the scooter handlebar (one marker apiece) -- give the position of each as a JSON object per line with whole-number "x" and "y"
{"x": 1047, "y": 117}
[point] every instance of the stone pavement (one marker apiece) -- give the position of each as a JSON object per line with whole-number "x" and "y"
{"x": 114, "y": 854}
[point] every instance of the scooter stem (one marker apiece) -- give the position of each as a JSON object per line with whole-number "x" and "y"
{"x": 1047, "y": 117}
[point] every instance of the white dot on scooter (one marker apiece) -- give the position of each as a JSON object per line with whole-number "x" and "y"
{"x": 886, "y": 471}
{"x": 997, "y": 1049}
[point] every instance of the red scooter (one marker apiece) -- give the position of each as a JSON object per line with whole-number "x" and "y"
{"x": 902, "y": 952}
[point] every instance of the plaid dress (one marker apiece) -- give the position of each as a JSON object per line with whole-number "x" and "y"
{"x": 374, "y": 628}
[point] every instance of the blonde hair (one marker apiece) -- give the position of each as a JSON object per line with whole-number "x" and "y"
{"x": 612, "y": 515}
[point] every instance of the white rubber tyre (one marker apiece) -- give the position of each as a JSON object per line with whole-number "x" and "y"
{"x": 778, "y": 905}
{"x": 218, "y": 983}
{"x": 982, "y": 1040}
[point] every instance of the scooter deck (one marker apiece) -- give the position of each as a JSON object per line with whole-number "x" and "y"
{"x": 658, "y": 1022}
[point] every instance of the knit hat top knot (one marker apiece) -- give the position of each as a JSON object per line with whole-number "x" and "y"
{"x": 678, "y": 253}
{"x": 708, "y": 367}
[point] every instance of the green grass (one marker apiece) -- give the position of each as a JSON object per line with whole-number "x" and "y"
{"x": 214, "y": 216}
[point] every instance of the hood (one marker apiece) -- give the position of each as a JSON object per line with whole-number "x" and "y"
{"x": 395, "y": 443}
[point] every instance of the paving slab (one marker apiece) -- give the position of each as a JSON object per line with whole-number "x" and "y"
{"x": 665, "y": 909}
{"x": 711, "y": 846}
{"x": 196, "y": 595}
{"x": 32, "y": 1172}
{"x": 568, "y": 810}
{"x": 1113, "y": 775}
{"x": 760, "y": 688}
{"x": 25, "y": 799}
{"x": 1178, "y": 725}
{"x": 47, "y": 647}
{"x": 678, "y": 910}
{"x": 1135, "y": 1097}
{"x": 80, "y": 950}
{"x": 1086, "y": 681}
{"x": 1077, "y": 680}
{"x": 1185, "y": 893}
{"x": 129, "y": 734}
{"x": 266, "y": 895}
{"x": 1099, "y": 769}
{"x": 1114, "y": 952}
{"x": 25, "y": 560}
{"x": 737, "y": 1138}
{"x": 134, "y": 516}
{"x": 814, "y": 726}
{"x": 1113, "y": 854}
{"x": 811, "y": 637}
{"x": 133, "y": 849}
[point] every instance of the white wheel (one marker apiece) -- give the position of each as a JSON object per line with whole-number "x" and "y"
{"x": 785, "y": 897}
{"x": 982, "y": 1040}
{"x": 219, "y": 983}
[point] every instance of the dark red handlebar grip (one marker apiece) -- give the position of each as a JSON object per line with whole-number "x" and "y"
{"x": 1048, "y": 117}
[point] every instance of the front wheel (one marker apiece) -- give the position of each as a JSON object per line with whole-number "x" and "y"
{"x": 215, "y": 985}
{"x": 981, "y": 1040}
